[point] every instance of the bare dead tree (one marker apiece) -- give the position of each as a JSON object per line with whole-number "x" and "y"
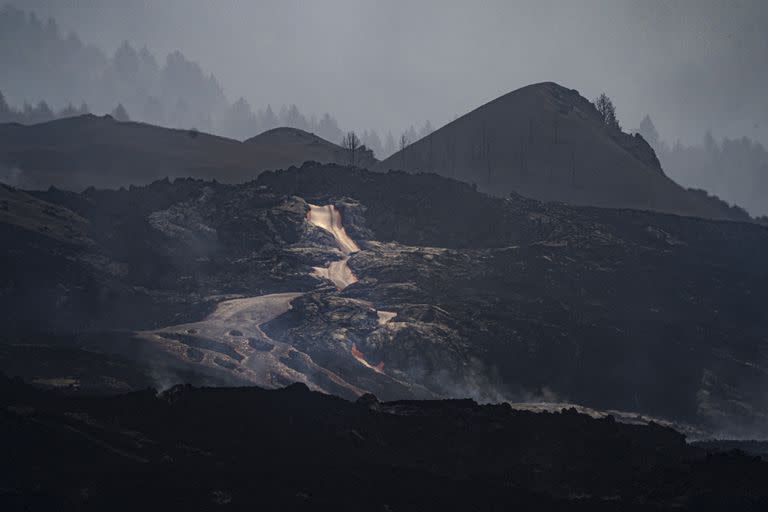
{"x": 607, "y": 111}
{"x": 351, "y": 144}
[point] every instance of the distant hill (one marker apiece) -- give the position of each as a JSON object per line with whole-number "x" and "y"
{"x": 548, "y": 142}
{"x": 290, "y": 142}
{"x": 78, "y": 152}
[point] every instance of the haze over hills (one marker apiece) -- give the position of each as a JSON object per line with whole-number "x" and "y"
{"x": 547, "y": 142}
{"x": 735, "y": 170}
{"x": 79, "y": 152}
{"x": 52, "y": 71}
{"x": 542, "y": 141}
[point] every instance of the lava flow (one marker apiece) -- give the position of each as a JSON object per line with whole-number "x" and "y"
{"x": 328, "y": 218}
{"x": 359, "y": 356}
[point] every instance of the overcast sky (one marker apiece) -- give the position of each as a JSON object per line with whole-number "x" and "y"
{"x": 690, "y": 64}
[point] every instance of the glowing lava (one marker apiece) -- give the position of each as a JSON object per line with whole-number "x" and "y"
{"x": 359, "y": 356}
{"x": 328, "y": 218}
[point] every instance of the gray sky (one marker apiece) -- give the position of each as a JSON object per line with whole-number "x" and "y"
{"x": 691, "y": 64}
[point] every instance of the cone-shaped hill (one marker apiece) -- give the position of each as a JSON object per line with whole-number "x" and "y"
{"x": 548, "y": 142}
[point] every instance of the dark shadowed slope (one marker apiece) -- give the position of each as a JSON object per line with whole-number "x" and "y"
{"x": 79, "y": 152}
{"x": 548, "y": 142}
{"x": 290, "y": 449}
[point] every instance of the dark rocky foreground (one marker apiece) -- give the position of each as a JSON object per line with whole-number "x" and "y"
{"x": 292, "y": 449}
{"x": 458, "y": 294}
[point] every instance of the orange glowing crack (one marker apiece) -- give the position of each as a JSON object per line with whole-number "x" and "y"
{"x": 359, "y": 356}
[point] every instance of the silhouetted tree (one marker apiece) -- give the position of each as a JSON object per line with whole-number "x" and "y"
{"x": 41, "y": 113}
{"x": 177, "y": 92}
{"x": 371, "y": 140}
{"x": 328, "y": 129}
{"x": 294, "y": 119}
{"x": 364, "y": 157}
{"x": 351, "y": 144}
{"x": 735, "y": 170}
{"x": 607, "y": 111}
{"x": 239, "y": 121}
{"x": 68, "y": 111}
{"x": 269, "y": 119}
{"x": 120, "y": 114}
{"x": 126, "y": 63}
{"x": 648, "y": 131}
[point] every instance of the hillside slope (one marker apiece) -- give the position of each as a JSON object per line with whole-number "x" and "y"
{"x": 453, "y": 293}
{"x": 78, "y": 152}
{"x": 547, "y": 142}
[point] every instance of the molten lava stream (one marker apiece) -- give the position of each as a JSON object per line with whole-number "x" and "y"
{"x": 359, "y": 356}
